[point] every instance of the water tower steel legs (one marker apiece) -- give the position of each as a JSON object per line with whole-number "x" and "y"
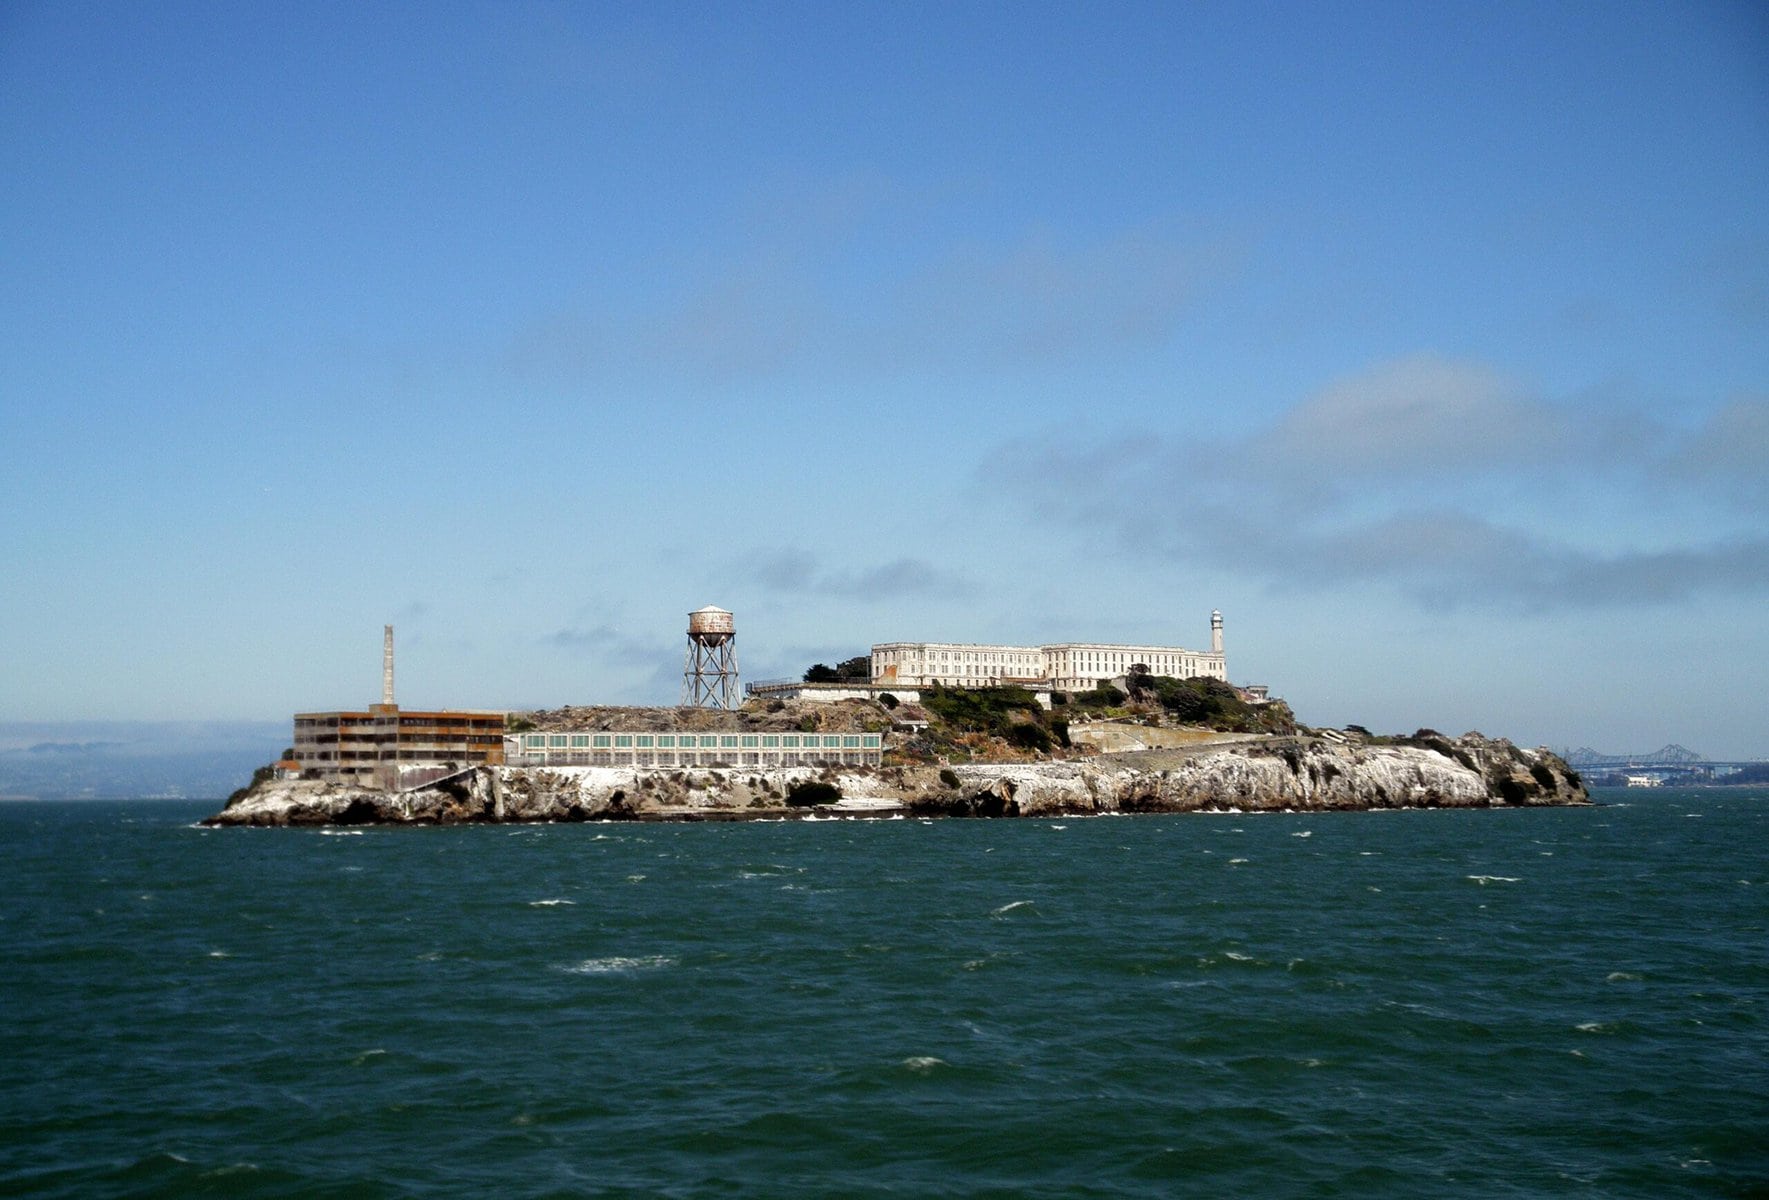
{"x": 709, "y": 677}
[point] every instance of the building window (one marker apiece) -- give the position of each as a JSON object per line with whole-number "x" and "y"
{"x": 600, "y": 741}
{"x": 623, "y": 739}
{"x": 728, "y": 741}
{"x": 580, "y": 741}
{"x": 644, "y": 741}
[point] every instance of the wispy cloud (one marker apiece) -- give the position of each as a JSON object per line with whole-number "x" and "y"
{"x": 608, "y": 645}
{"x": 1448, "y": 482}
{"x": 797, "y": 572}
{"x": 854, "y": 287}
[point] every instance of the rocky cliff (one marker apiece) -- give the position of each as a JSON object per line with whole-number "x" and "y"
{"x": 1327, "y": 770}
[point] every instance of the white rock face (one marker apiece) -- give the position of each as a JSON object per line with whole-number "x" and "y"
{"x": 1295, "y": 773}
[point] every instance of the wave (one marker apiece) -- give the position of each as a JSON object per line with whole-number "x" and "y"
{"x": 617, "y": 965}
{"x": 548, "y": 903}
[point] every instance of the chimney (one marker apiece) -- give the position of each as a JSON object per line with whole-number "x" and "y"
{"x": 387, "y": 667}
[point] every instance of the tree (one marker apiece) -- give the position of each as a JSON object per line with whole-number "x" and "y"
{"x": 820, "y": 673}
{"x": 855, "y": 670}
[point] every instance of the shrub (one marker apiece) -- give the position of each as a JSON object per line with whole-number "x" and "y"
{"x": 1103, "y": 696}
{"x": 949, "y": 777}
{"x": 888, "y": 700}
{"x": 1029, "y": 737}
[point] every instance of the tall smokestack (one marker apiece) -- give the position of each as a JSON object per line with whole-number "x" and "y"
{"x": 387, "y": 666}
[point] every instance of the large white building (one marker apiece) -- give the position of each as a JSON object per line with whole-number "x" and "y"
{"x": 1066, "y": 666}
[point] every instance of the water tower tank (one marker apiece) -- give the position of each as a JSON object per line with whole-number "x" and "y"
{"x": 709, "y": 676}
{"x": 711, "y": 626}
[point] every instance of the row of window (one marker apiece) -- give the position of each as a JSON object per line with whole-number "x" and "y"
{"x": 703, "y": 741}
{"x": 694, "y": 758}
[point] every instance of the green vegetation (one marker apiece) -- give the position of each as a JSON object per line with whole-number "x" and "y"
{"x": 261, "y": 775}
{"x": 850, "y": 670}
{"x": 972, "y": 722}
{"x": 1213, "y": 704}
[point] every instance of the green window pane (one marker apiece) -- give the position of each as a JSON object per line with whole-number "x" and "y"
{"x": 601, "y": 741}
{"x": 666, "y": 741}
{"x": 728, "y": 741}
{"x": 708, "y": 741}
{"x": 771, "y": 740}
{"x": 580, "y": 741}
{"x": 851, "y": 742}
{"x": 623, "y": 739}
{"x": 645, "y": 741}
{"x": 557, "y": 740}
{"x": 790, "y": 741}
{"x": 749, "y": 741}
{"x": 832, "y": 741}
{"x": 534, "y": 741}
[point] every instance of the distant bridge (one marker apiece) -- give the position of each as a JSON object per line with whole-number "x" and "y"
{"x": 1672, "y": 755}
{"x": 1666, "y": 758}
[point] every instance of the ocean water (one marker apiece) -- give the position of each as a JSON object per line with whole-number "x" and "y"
{"x": 1569, "y": 1002}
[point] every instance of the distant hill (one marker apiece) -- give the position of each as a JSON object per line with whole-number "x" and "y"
{"x": 76, "y": 760}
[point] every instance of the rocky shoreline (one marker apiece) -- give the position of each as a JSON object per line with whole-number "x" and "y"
{"x": 1322, "y": 771}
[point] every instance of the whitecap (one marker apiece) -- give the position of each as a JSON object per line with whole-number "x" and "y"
{"x": 219, "y": 954}
{"x": 1304, "y": 833}
{"x": 1237, "y": 956}
{"x": 922, "y": 1064}
{"x": 617, "y": 964}
{"x": 1591, "y": 1027}
{"x": 1235, "y": 861}
{"x": 1007, "y": 908}
{"x": 340, "y": 833}
{"x": 1483, "y": 880}
{"x": 635, "y": 879}
{"x": 549, "y": 903}
{"x": 1059, "y": 827}
{"x": 1621, "y": 977}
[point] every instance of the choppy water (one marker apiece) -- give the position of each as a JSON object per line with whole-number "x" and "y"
{"x": 1537, "y": 1003}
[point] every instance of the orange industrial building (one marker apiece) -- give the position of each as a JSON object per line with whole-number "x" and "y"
{"x": 386, "y": 747}
{"x": 383, "y": 742}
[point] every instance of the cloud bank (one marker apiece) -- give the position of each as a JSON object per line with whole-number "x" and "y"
{"x": 1447, "y": 482}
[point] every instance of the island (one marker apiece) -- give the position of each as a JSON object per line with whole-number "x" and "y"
{"x": 1159, "y": 746}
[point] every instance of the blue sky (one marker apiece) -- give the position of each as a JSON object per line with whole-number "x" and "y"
{"x": 1428, "y": 342}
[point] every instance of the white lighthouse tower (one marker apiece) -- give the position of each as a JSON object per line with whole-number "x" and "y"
{"x": 1216, "y": 633}
{"x": 709, "y": 677}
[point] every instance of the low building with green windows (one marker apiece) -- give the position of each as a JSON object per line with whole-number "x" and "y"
{"x": 615, "y": 748}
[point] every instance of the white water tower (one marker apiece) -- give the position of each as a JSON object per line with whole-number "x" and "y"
{"x": 709, "y": 678}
